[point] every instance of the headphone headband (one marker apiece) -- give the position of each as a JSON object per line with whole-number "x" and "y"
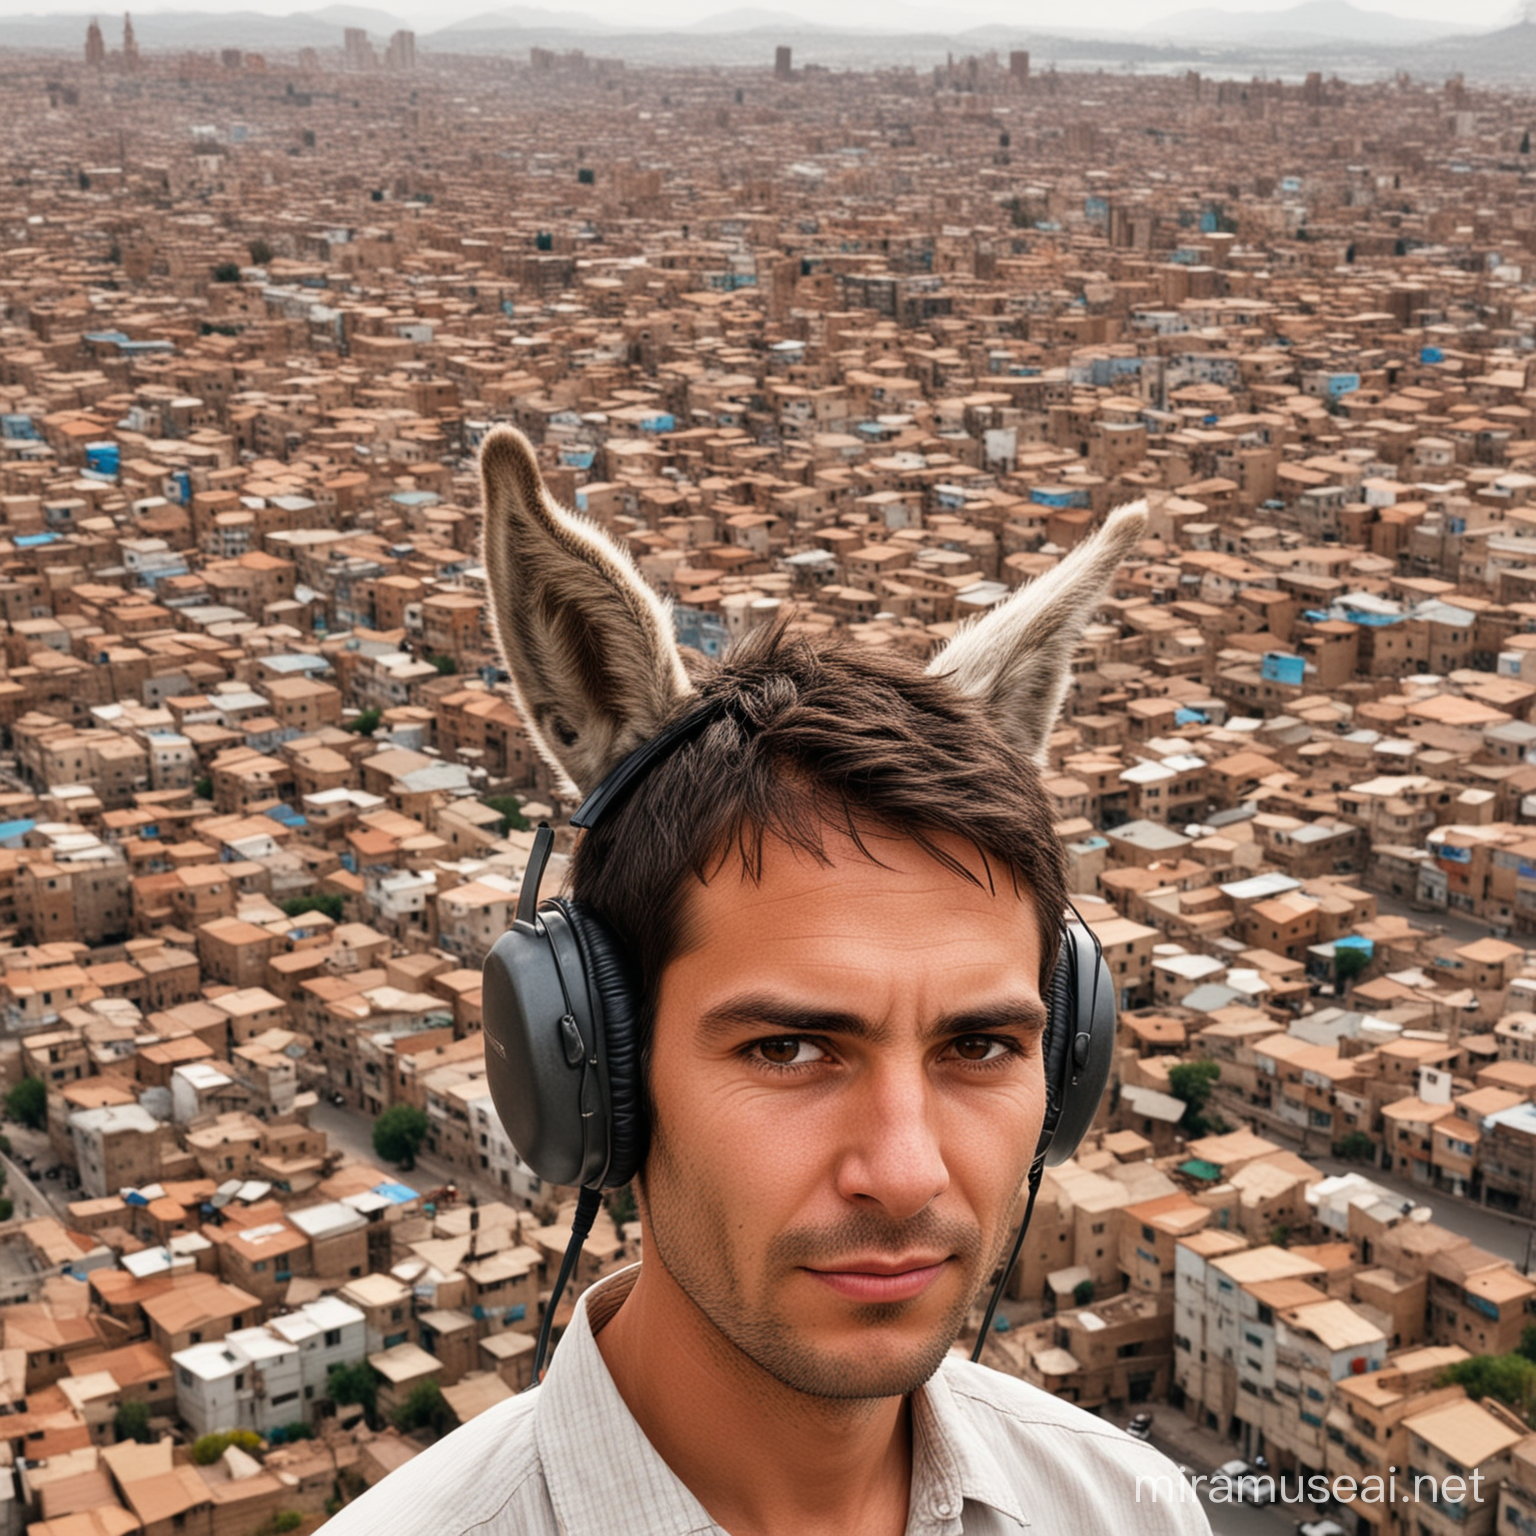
{"x": 640, "y": 760}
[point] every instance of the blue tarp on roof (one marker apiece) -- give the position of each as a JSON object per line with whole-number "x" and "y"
{"x": 14, "y": 831}
{"x": 1280, "y": 667}
{"x": 396, "y": 1194}
{"x": 34, "y": 540}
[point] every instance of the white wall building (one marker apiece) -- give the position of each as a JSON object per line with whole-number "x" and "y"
{"x": 264, "y": 1377}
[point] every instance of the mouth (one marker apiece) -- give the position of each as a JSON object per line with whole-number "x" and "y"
{"x": 877, "y": 1279}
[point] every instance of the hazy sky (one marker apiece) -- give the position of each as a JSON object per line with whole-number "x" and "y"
{"x": 426, "y": 15}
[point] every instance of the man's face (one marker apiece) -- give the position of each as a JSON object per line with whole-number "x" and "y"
{"x": 848, "y": 1086}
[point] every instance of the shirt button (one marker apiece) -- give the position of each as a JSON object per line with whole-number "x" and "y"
{"x": 943, "y": 1511}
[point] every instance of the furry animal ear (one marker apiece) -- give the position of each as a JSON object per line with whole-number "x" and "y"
{"x": 595, "y": 667}
{"x": 1017, "y": 659}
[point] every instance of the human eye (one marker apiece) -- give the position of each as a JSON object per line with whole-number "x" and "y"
{"x": 993, "y": 1051}
{"x": 786, "y": 1053}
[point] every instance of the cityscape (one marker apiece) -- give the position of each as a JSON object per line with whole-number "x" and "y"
{"x": 854, "y": 350}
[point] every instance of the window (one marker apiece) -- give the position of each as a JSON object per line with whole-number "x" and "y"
{"x": 332, "y": 1337}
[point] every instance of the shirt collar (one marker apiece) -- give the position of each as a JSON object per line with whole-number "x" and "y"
{"x": 951, "y": 1461}
{"x": 598, "y": 1463}
{"x": 601, "y": 1471}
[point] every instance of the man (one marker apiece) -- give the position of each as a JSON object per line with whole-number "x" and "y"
{"x": 841, "y": 905}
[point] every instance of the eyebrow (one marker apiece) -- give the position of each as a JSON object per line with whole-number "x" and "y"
{"x": 780, "y": 1013}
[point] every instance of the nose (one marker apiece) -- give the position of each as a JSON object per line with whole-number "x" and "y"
{"x": 892, "y": 1150}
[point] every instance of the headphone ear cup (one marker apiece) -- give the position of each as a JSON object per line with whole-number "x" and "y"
{"x": 1080, "y": 1050}
{"x": 609, "y": 980}
{"x": 1057, "y": 1043}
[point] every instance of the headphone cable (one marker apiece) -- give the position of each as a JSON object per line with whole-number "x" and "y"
{"x": 588, "y": 1203}
{"x": 1035, "y": 1175}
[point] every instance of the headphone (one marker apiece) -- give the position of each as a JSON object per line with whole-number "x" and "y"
{"x": 562, "y": 1024}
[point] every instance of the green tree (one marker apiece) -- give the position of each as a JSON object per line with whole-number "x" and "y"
{"x": 1191, "y": 1081}
{"x": 1525, "y": 142}
{"x": 446, "y": 665}
{"x": 1509, "y": 1378}
{"x": 7, "y": 1208}
{"x": 28, "y": 1102}
{"x": 621, "y": 1205}
{"x": 366, "y": 723}
{"x": 261, "y": 252}
{"x": 226, "y": 272}
{"x": 203, "y": 788}
{"x": 1527, "y": 1346}
{"x": 510, "y": 809}
{"x": 1082, "y": 1293}
{"x": 398, "y": 1134}
{"x": 330, "y": 904}
{"x": 1348, "y": 963}
{"x": 132, "y": 1421}
{"x": 1357, "y": 1147}
{"x": 358, "y": 1383}
{"x": 208, "y": 1449}
{"x": 426, "y": 1408}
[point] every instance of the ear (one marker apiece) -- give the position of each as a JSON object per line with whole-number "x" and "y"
{"x": 1017, "y": 659}
{"x": 595, "y": 668}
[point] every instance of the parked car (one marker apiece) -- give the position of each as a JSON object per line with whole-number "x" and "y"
{"x": 1250, "y": 1485}
{"x": 1140, "y": 1426}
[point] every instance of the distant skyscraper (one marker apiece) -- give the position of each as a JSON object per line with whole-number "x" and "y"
{"x": 781, "y": 58}
{"x": 95, "y": 48}
{"x": 401, "y": 53}
{"x": 1018, "y": 64}
{"x": 130, "y": 44}
{"x": 358, "y": 50}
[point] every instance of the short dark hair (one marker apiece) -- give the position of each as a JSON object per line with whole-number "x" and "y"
{"x": 817, "y": 735}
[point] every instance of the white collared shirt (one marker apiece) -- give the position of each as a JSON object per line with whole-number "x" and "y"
{"x": 991, "y": 1456}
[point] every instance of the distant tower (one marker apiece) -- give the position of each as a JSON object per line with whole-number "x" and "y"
{"x": 781, "y": 58}
{"x": 1018, "y": 64}
{"x": 130, "y": 45}
{"x": 358, "y": 50}
{"x": 401, "y": 53}
{"x": 95, "y": 48}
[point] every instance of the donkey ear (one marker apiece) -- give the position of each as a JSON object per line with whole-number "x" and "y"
{"x": 1017, "y": 659}
{"x": 595, "y": 668}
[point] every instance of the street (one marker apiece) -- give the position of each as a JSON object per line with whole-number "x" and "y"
{"x": 352, "y": 1132}
{"x": 1185, "y": 1444}
{"x": 1455, "y": 925}
{"x": 1499, "y": 1233}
